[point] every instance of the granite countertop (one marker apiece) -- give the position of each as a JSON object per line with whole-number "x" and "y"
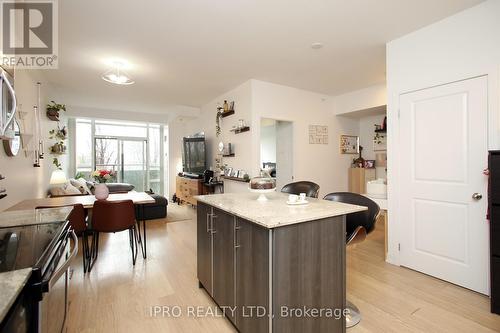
{"x": 30, "y": 217}
{"x": 11, "y": 284}
{"x": 275, "y": 212}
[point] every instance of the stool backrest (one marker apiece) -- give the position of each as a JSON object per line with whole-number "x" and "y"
{"x": 309, "y": 188}
{"x": 365, "y": 219}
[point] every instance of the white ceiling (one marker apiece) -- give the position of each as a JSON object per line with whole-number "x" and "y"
{"x": 186, "y": 52}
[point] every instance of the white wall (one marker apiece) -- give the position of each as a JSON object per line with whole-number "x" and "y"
{"x": 23, "y": 181}
{"x": 319, "y": 163}
{"x": 462, "y": 46}
{"x": 367, "y": 133}
{"x": 255, "y": 100}
{"x": 363, "y": 99}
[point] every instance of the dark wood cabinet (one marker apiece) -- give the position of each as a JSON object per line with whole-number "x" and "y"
{"x": 494, "y": 211}
{"x": 204, "y": 245}
{"x": 257, "y": 271}
{"x": 252, "y": 277}
{"x": 223, "y": 260}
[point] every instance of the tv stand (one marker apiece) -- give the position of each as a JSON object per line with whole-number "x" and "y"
{"x": 186, "y": 188}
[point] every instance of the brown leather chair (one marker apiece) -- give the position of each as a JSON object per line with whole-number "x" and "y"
{"x": 78, "y": 221}
{"x": 113, "y": 216}
{"x": 309, "y": 188}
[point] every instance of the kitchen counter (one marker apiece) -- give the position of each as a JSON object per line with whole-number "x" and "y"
{"x": 11, "y": 284}
{"x": 31, "y": 217}
{"x": 273, "y": 256}
{"x": 276, "y": 212}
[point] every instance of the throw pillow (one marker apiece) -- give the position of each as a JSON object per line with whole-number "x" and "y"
{"x": 80, "y": 184}
{"x": 70, "y": 190}
{"x": 57, "y": 191}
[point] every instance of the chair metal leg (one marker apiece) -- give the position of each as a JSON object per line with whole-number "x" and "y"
{"x": 94, "y": 251}
{"x": 133, "y": 244}
{"x": 85, "y": 250}
{"x": 353, "y": 317}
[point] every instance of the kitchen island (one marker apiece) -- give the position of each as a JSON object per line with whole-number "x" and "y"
{"x": 273, "y": 267}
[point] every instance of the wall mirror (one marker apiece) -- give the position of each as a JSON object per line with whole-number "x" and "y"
{"x": 13, "y": 146}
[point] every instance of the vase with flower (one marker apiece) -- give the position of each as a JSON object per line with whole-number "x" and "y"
{"x": 102, "y": 176}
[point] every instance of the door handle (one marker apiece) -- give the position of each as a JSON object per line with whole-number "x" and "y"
{"x": 477, "y": 196}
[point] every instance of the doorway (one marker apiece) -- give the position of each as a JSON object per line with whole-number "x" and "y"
{"x": 276, "y": 150}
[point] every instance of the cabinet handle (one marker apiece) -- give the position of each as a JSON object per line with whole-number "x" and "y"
{"x": 212, "y": 230}
{"x": 208, "y": 222}
{"x": 235, "y": 235}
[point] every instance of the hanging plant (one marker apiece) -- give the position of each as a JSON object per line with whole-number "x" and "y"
{"x": 217, "y": 123}
{"x": 57, "y": 164}
{"x": 53, "y": 110}
{"x": 59, "y": 133}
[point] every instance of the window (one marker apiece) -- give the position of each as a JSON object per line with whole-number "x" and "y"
{"x": 133, "y": 150}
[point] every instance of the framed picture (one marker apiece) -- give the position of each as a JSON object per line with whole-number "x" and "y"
{"x": 228, "y": 172}
{"x": 241, "y": 174}
{"x": 234, "y": 173}
{"x": 349, "y": 144}
{"x": 318, "y": 134}
{"x": 369, "y": 164}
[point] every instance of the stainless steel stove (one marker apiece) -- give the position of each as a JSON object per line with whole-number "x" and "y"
{"x": 45, "y": 247}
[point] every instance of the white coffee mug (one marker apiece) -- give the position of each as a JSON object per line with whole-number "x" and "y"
{"x": 293, "y": 198}
{"x": 302, "y": 196}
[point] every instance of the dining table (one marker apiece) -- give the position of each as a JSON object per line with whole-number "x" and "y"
{"x": 138, "y": 198}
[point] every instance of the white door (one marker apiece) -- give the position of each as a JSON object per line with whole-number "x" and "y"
{"x": 443, "y": 152}
{"x": 284, "y": 153}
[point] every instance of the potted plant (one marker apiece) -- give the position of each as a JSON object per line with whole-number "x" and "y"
{"x": 59, "y": 134}
{"x": 53, "y": 109}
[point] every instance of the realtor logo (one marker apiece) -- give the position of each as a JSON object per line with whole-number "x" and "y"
{"x": 29, "y": 34}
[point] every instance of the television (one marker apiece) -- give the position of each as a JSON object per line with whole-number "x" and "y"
{"x": 194, "y": 161}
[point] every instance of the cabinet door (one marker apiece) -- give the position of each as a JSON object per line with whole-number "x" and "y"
{"x": 204, "y": 246}
{"x": 223, "y": 242}
{"x": 252, "y": 277}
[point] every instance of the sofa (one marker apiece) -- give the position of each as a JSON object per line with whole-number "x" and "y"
{"x": 156, "y": 210}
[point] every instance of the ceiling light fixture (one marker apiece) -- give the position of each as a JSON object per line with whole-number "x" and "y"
{"x": 316, "y": 46}
{"x": 117, "y": 75}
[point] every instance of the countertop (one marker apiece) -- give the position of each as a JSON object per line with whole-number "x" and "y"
{"x": 275, "y": 212}
{"x": 30, "y": 217}
{"x": 11, "y": 284}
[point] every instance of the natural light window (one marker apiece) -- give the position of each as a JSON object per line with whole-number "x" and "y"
{"x": 133, "y": 150}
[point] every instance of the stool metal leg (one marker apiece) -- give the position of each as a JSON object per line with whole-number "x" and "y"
{"x": 353, "y": 317}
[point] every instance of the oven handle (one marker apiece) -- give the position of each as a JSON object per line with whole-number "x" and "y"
{"x": 55, "y": 277}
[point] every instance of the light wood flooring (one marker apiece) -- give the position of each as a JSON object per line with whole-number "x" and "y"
{"x": 117, "y": 297}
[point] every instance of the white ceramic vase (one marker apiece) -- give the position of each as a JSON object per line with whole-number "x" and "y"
{"x": 101, "y": 191}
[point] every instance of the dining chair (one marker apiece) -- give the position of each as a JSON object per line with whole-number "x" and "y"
{"x": 78, "y": 221}
{"x": 111, "y": 217}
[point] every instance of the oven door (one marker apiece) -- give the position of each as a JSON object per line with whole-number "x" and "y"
{"x": 53, "y": 307}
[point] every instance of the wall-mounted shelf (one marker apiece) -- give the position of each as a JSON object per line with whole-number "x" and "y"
{"x": 241, "y": 130}
{"x": 381, "y": 131}
{"x": 227, "y": 113}
{"x": 228, "y": 155}
{"x": 236, "y": 179}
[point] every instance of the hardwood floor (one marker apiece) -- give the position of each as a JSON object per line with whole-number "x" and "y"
{"x": 117, "y": 297}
